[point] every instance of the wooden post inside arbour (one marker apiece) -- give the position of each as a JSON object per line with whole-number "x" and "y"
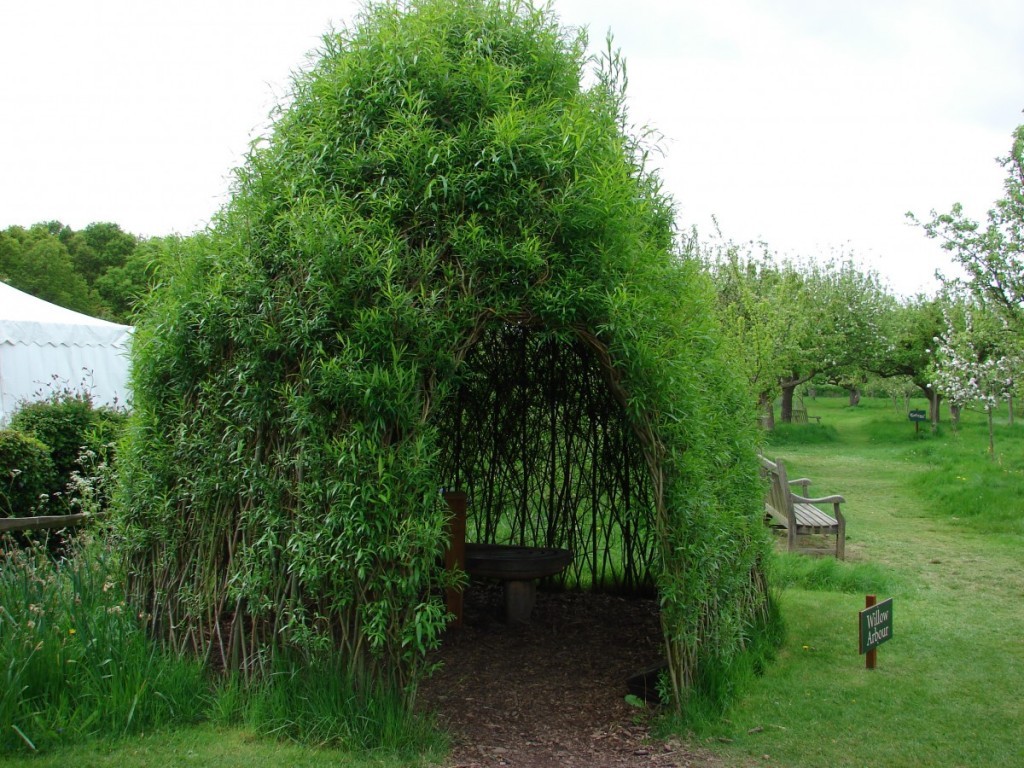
{"x": 455, "y": 555}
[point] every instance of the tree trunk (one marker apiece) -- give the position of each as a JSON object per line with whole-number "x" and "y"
{"x": 788, "y": 388}
{"x": 934, "y": 400}
{"x": 1009, "y": 402}
{"x": 786, "y": 408}
{"x": 991, "y": 434}
{"x": 854, "y": 396}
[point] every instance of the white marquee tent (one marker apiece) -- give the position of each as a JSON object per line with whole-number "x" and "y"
{"x": 43, "y": 346}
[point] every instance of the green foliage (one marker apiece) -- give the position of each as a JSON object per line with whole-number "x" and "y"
{"x": 851, "y": 305}
{"x": 80, "y": 445}
{"x": 787, "y": 322}
{"x": 26, "y": 473}
{"x": 98, "y": 247}
{"x": 100, "y": 270}
{"x": 977, "y": 358}
{"x": 911, "y": 327}
{"x": 763, "y": 318}
{"x": 67, "y": 424}
{"x": 991, "y": 253}
{"x": 37, "y": 262}
{"x": 123, "y": 286}
{"x": 62, "y": 423}
{"x": 844, "y": 308}
{"x": 441, "y": 179}
{"x": 718, "y": 686}
{"x": 74, "y": 662}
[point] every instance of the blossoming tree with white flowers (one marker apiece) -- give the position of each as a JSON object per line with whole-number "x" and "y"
{"x": 977, "y": 361}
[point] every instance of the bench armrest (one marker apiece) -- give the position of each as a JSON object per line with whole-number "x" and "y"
{"x": 823, "y": 500}
{"x": 803, "y": 482}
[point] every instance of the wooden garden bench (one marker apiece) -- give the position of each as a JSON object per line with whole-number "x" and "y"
{"x": 800, "y": 416}
{"x": 798, "y": 514}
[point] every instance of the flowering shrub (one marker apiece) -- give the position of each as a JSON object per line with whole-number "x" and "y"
{"x": 971, "y": 365}
{"x": 26, "y": 473}
{"x": 975, "y": 362}
{"x": 79, "y": 442}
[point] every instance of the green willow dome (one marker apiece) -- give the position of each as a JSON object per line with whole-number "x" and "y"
{"x": 446, "y": 266}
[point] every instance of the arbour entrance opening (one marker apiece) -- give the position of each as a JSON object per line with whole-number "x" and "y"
{"x": 538, "y": 439}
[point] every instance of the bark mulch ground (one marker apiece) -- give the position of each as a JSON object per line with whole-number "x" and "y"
{"x": 551, "y": 694}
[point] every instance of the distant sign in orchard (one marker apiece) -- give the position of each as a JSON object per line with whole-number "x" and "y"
{"x": 875, "y": 625}
{"x": 917, "y": 417}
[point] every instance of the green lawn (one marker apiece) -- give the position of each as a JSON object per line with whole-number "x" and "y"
{"x": 202, "y": 746}
{"x": 948, "y": 688}
{"x": 932, "y": 522}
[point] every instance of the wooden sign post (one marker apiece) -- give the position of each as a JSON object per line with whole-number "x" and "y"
{"x": 875, "y": 628}
{"x": 917, "y": 417}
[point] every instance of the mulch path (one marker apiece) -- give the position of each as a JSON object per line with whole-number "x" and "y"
{"x": 550, "y": 694}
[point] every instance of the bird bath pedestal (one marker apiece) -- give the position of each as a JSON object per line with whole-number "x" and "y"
{"x": 518, "y": 568}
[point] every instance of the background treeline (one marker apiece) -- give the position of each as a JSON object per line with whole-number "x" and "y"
{"x": 790, "y": 322}
{"x": 100, "y": 270}
{"x": 795, "y": 325}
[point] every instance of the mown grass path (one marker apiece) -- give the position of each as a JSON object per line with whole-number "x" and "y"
{"x": 948, "y": 689}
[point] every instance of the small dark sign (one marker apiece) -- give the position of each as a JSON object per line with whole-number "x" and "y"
{"x": 875, "y": 625}
{"x": 918, "y": 416}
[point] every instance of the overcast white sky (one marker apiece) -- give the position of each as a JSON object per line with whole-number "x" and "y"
{"x": 812, "y": 124}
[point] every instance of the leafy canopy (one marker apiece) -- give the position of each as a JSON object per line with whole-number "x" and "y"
{"x": 992, "y": 253}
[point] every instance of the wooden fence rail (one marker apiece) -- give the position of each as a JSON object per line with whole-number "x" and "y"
{"x": 8, "y": 524}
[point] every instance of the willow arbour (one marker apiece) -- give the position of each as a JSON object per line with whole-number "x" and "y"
{"x": 441, "y": 188}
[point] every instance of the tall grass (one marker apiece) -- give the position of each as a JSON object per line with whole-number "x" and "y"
{"x": 801, "y": 434}
{"x": 73, "y": 662}
{"x": 75, "y": 666}
{"x": 315, "y": 702}
{"x": 826, "y": 573}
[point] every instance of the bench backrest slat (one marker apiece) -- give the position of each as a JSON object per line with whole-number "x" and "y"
{"x": 778, "y": 492}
